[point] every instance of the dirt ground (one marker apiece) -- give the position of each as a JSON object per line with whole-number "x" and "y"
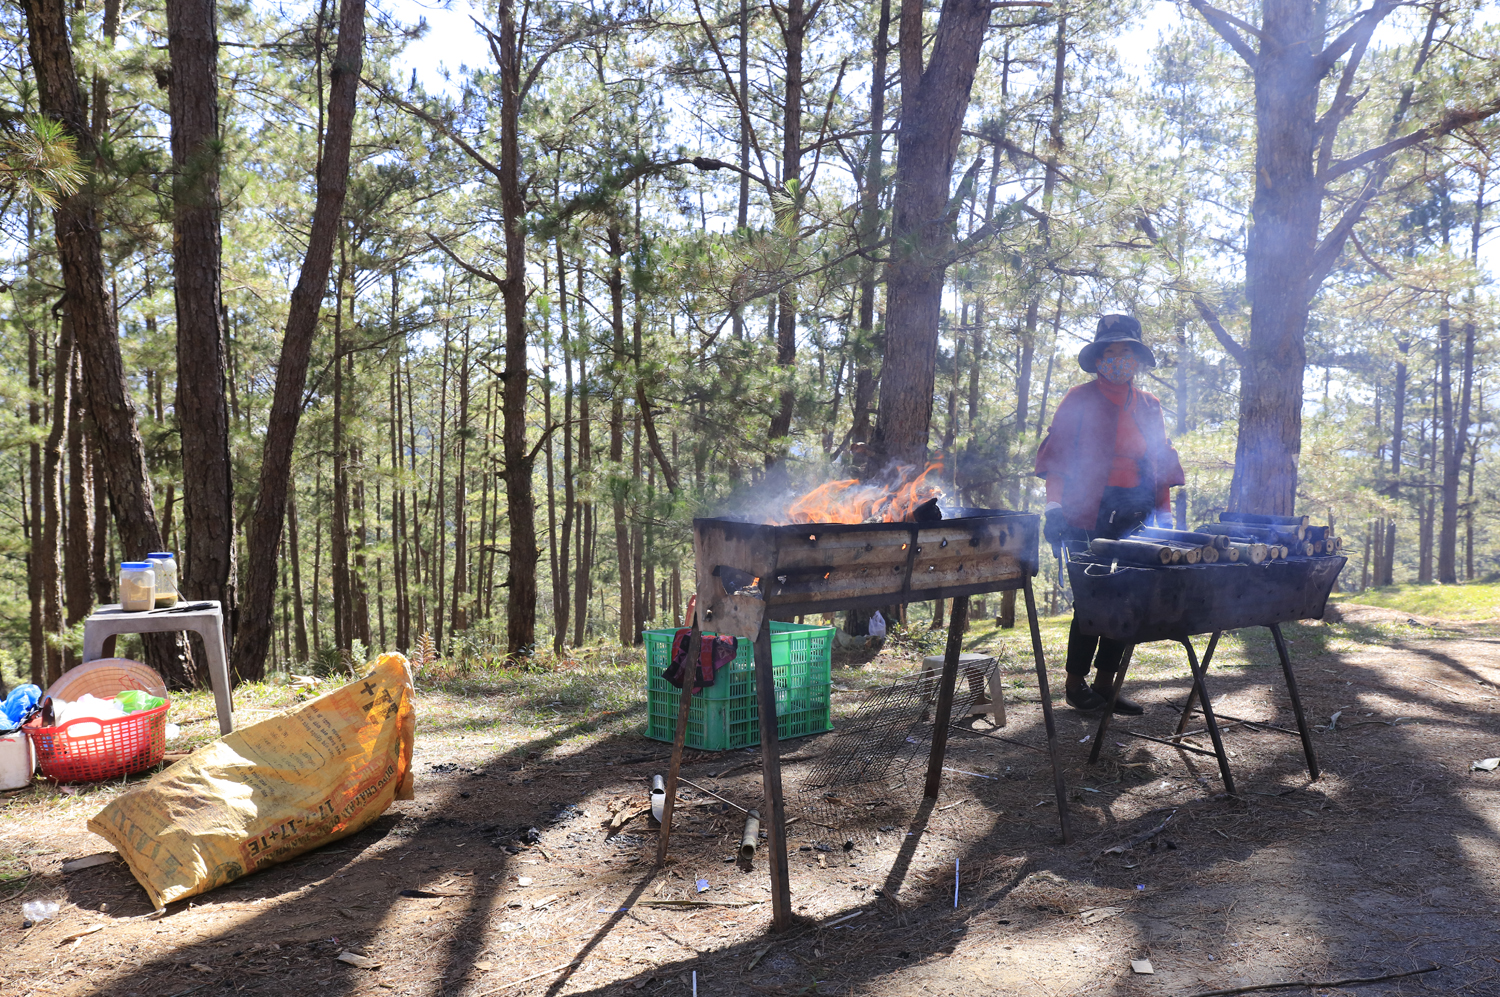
{"x": 1386, "y": 864}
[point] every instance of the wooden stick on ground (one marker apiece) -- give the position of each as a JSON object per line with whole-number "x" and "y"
{"x": 684, "y": 704}
{"x": 773, "y": 817}
{"x": 1313, "y": 984}
{"x": 533, "y": 976}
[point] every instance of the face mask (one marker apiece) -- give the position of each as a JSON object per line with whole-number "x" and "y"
{"x": 1118, "y": 370}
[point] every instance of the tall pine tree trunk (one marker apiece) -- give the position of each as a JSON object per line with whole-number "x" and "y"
{"x": 520, "y": 575}
{"x": 460, "y": 618}
{"x": 1286, "y": 209}
{"x": 81, "y": 257}
{"x": 618, "y": 482}
{"x": 1451, "y": 460}
{"x": 562, "y": 579}
{"x": 933, "y": 103}
{"x": 50, "y": 563}
{"x": 343, "y": 601}
{"x": 584, "y": 560}
{"x": 865, "y": 350}
{"x": 35, "y": 549}
{"x": 296, "y": 558}
{"x": 78, "y": 582}
{"x": 794, "y": 18}
{"x": 253, "y": 634}
{"x": 1385, "y": 571}
{"x": 208, "y": 568}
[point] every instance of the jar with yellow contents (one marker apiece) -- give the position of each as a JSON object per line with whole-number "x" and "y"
{"x": 164, "y": 566}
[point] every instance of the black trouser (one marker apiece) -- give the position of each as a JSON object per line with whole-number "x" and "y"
{"x": 1081, "y": 654}
{"x": 1120, "y": 511}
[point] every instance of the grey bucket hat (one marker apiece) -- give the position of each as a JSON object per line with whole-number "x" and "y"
{"x": 1115, "y": 329}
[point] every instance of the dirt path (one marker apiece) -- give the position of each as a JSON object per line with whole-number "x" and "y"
{"x": 1390, "y": 862}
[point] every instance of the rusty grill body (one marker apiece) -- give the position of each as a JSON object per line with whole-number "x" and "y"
{"x": 1138, "y": 605}
{"x": 748, "y": 573}
{"x": 748, "y": 569}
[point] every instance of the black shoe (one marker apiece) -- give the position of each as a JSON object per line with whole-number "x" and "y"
{"x": 1123, "y": 707}
{"x": 1086, "y": 700}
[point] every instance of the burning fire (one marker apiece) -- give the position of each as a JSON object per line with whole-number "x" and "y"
{"x": 892, "y": 498}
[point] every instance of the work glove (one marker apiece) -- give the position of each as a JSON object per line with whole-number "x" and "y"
{"x": 1052, "y": 529}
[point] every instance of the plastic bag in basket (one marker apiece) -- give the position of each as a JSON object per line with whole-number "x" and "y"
{"x": 270, "y": 792}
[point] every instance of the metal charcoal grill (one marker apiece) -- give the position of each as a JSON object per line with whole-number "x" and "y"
{"x": 748, "y": 569}
{"x": 1137, "y": 605}
{"x": 748, "y": 572}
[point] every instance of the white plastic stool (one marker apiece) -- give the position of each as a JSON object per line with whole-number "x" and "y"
{"x": 977, "y": 668}
{"x": 205, "y": 618}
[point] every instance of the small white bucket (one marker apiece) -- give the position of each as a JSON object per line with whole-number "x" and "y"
{"x": 17, "y": 761}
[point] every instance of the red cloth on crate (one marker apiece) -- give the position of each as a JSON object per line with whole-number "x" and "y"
{"x": 1098, "y": 433}
{"x": 714, "y": 654}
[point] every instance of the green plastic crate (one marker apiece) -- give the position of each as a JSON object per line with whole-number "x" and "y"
{"x": 726, "y": 714}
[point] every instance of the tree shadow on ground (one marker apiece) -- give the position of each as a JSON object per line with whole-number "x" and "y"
{"x": 1314, "y": 879}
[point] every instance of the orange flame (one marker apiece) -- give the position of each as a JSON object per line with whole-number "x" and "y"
{"x": 891, "y": 499}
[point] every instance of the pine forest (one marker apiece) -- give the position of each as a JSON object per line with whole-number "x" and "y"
{"x": 447, "y": 361}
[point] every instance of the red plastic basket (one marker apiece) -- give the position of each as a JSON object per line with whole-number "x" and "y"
{"x": 121, "y": 746}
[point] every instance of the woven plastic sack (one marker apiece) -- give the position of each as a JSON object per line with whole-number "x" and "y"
{"x": 268, "y": 793}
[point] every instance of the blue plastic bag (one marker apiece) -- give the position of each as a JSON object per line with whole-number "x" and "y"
{"x": 21, "y": 701}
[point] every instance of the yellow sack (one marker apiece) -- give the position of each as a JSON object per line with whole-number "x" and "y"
{"x": 272, "y": 791}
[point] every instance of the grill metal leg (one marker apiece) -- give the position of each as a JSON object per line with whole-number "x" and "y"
{"x": 1291, "y": 688}
{"x": 1041, "y": 680}
{"x": 957, "y": 624}
{"x": 1192, "y": 700}
{"x": 1114, "y": 694}
{"x": 770, "y": 762}
{"x": 1208, "y": 716}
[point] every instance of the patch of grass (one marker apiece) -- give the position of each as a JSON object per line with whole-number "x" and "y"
{"x": 1474, "y": 601}
{"x": 605, "y": 678}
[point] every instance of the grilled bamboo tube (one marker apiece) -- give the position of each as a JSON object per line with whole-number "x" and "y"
{"x": 1133, "y": 552}
{"x": 1184, "y": 536}
{"x": 1255, "y": 519}
{"x": 1250, "y": 553}
{"x": 1182, "y": 552}
{"x": 1209, "y": 554}
{"x": 1242, "y": 531}
{"x": 751, "y": 837}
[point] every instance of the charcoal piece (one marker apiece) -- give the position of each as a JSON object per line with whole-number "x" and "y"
{"x": 927, "y": 512}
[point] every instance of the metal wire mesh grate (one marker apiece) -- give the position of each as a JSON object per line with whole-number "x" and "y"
{"x": 880, "y": 740}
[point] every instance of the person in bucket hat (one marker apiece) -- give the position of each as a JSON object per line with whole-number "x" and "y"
{"x": 1109, "y": 468}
